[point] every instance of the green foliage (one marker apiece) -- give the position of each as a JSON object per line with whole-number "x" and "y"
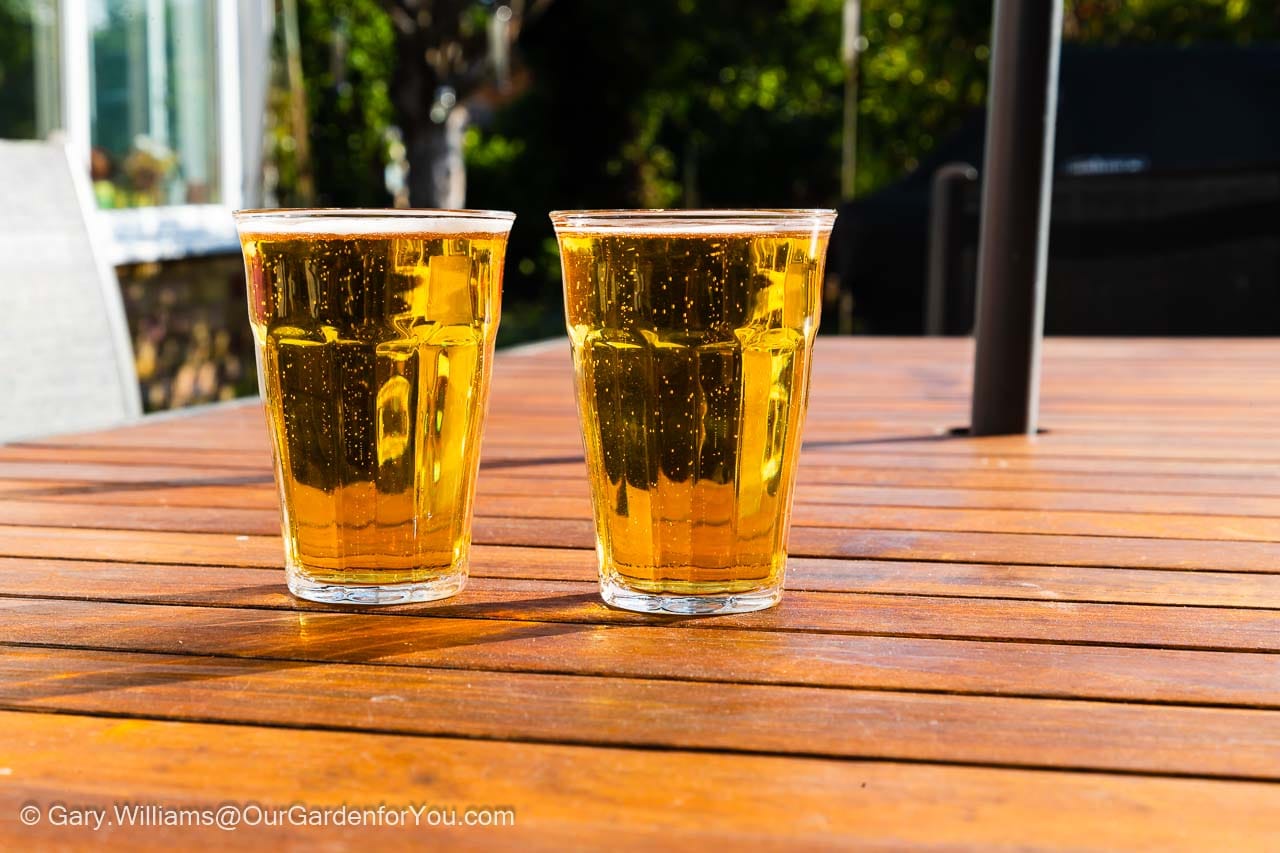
{"x": 348, "y": 57}
{"x": 492, "y": 153}
{"x": 1176, "y": 21}
{"x": 715, "y": 103}
{"x": 696, "y": 102}
{"x": 923, "y": 70}
{"x": 713, "y": 91}
{"x": 737, "y": 88}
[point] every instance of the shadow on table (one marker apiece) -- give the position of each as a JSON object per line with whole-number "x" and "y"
{"x": 578, "y": 607}
{"x": 930, "y": 438}
{"x": 206, "y": 643}
{"x": 486, "y": 464}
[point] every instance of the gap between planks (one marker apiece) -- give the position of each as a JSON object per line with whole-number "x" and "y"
{"x": 803, "y": 614}
{"x": 725, "y": 718}
{"x": 887, "y": 544}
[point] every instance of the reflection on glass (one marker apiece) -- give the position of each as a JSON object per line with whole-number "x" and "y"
{"x": 29, "y": 102}
{"x": 153, "y": 124}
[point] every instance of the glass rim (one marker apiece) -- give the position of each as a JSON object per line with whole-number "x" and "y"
{"x": 698, "y": 220}
{"x": 370, "y": 213}
{"x": 344, "y": 222}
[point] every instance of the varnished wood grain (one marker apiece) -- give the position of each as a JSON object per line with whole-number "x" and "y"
{"x": 1040, "y": 621}
{"x": 212, "y": 622}
{"x": 660, "y": 714}
{"x": 567, "y": 796}
{"x": 260, "y": 520}
{"x": 811, "y": 574}
{"x": 144, "y": 544}
{"x": 258, "y": 491}
{"x": 1071, "y": 641}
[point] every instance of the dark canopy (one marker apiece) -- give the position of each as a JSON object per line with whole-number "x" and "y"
{"x": 1172, "y": 117}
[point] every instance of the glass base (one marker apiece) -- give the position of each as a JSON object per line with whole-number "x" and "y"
{"x": 617, "y": 595}
{"x": 392, "y": 593}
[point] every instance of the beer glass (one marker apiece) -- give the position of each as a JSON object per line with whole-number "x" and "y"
{"x": 691, "y": 334}
{"x": 375, "y": 333}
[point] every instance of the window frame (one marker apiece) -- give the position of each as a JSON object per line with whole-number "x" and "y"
{"x": 162, "y": 232}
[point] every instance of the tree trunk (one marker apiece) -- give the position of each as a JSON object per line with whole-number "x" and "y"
{"x": 437, "y": 173}
{"x": 306, "y": 188}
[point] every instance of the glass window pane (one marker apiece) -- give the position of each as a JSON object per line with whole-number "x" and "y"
{"x": 29, "y": 90}
{"x": 154, "y": 119}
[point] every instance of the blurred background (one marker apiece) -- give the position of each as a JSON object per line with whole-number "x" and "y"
{"x": 1167, "y": 161}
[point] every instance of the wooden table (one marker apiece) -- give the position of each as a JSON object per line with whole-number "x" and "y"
{"x": 1067, "y": 641}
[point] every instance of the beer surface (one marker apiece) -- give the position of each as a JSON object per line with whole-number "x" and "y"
{"x": 374, "y": 355}
{"x": 692, "y": 361}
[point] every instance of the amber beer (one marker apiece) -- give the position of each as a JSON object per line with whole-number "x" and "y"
{"x": 375, "y": 334}
{"x": 691, "y": 335}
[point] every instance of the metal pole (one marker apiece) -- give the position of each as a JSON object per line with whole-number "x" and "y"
{"x": 1013, "y": 240}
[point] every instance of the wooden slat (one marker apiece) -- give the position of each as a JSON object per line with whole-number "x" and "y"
{"x": 566, "y": 796}
{"x": 840, "y": 420}
{"x": 258, "y": 491}
{"x": 1110, "y": 624}
{"x": 264, "y": 520}
{"x": 555, "y": 467}
{"x": 809, "y": 574}
{"x": 852, "y": 428}
{"x": 143, "y": 545}
{"x": 816, "y": 480}
{"x": 661, "y": 714}
{"x": 635, "y": 648}
{"x": 113, "y": 475}
{"x": 1219, "y": 458}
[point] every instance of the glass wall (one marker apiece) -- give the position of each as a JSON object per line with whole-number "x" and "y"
{"x": 29, "y": 75}
{"x": 153, "y": 102}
